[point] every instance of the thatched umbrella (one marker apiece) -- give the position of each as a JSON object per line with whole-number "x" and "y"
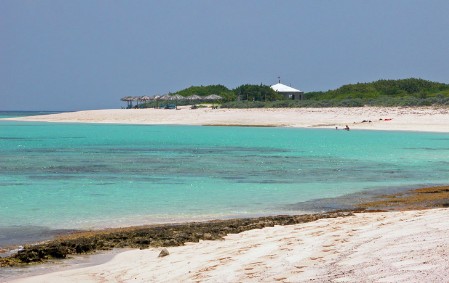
{"x": 129, "y": 100}
{"x": 176, "y": 97}
{"x": 213, "y": 97}
{"x": 137, "y": 99}
{"x": 194, "y": 97}
{"x": 157, "y": 98}
{"x": 172, "y": 97}
{"x": 164, "y": 97}
{"x": 145, "y": 98}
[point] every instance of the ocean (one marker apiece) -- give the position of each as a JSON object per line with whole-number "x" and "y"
{"x": 56, "y": 176}
{"x": 15, "y": 114}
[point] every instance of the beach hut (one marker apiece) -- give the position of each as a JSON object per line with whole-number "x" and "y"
{"x": 288, "y": 92}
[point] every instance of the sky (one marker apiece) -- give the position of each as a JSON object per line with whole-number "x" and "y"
{"x": 87, "y": 54}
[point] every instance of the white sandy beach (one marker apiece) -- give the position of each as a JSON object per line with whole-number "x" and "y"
{"x": 393, "y": 118}
{"x": 409, "y": 246}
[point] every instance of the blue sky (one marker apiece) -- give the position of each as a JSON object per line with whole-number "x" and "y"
{"x": 73, "y": 55}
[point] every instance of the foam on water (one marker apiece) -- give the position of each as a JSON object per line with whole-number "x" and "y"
{"x": 71, "y": 176}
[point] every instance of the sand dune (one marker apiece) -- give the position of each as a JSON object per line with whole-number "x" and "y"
{"x": 382, "y": 118}
{"x": 406, "y": 246}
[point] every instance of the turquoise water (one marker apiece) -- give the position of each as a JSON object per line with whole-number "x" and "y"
{"x": 13, "y": 114}
{"x": 64, "y": 176}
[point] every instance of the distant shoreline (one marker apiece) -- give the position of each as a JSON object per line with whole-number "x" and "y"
{"x": 425, "y": 119}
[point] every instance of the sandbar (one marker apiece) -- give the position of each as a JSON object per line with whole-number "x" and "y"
{"x": 427, "y": 119}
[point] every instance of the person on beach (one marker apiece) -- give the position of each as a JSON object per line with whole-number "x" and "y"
{"x": 347, "y": 128}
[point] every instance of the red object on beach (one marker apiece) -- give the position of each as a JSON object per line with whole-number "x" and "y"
{"x": 388, "y": 119}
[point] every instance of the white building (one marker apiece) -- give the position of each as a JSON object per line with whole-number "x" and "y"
{"x": 288, "y": 92}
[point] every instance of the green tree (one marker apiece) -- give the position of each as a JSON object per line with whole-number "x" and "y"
{"x": 256, "y": 93}
{"x": 204, "y": 90}
{"x": 412, "y": 87}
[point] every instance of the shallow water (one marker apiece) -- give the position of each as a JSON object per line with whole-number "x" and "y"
{"x": 77, "y": 176}
{"x": 15, "y": 114}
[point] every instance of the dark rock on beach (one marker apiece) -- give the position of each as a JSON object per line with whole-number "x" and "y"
{"x": 164, "y": 252}
{"x": 150, "y": 236}
{"x": 177, "y": 234}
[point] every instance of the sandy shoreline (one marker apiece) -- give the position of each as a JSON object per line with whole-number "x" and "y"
{"x": 408, "y": 246}
{"x": 401, "y": 245}
{"x": 393, "y": 118}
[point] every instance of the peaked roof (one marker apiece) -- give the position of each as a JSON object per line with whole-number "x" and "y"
{"x": 284, "y": 88}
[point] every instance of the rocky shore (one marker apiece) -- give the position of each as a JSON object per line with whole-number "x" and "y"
{"x": 170, "y": 235}
{"x": 167, "y": 235}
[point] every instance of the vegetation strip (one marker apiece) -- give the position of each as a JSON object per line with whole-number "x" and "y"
{"x": 403, "y": 92}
